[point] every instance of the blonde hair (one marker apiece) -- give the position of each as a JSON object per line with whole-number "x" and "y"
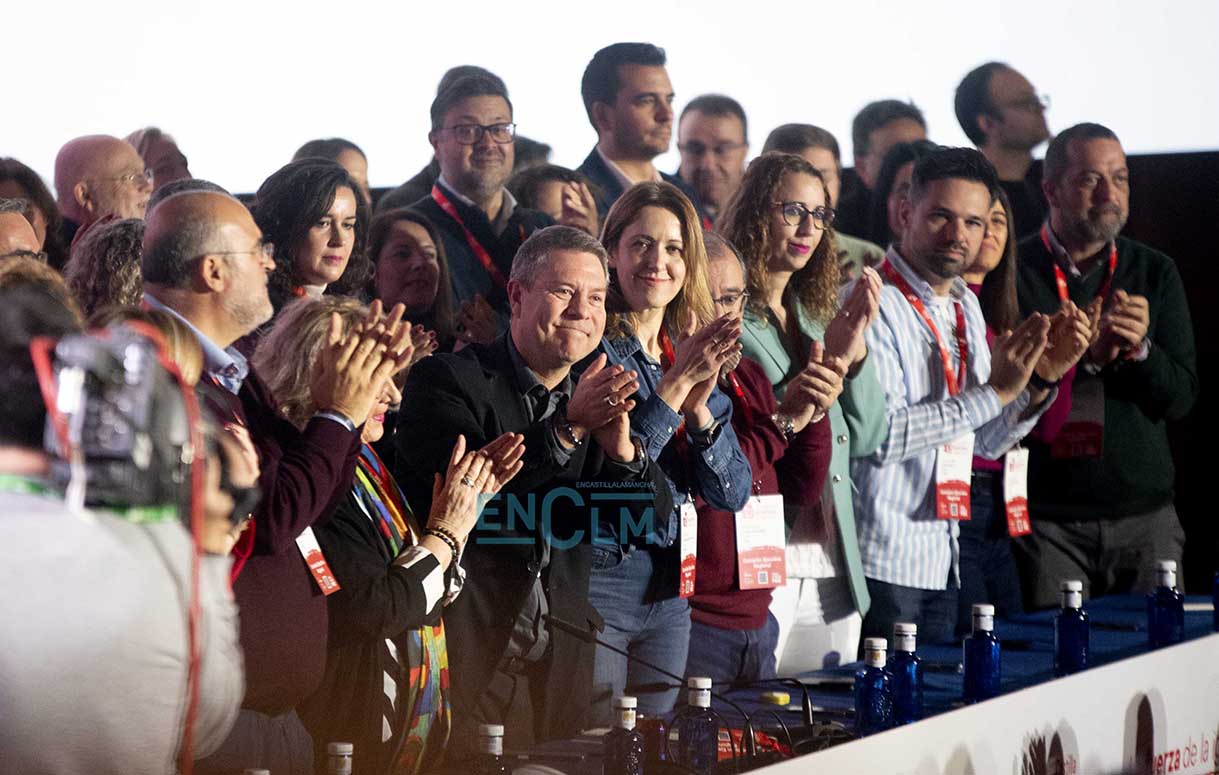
{"x": 745, "y": 223}
{"x": 288, "y": 355}
{"x": 695, "y": 294}
{"x": 181, "y": 345}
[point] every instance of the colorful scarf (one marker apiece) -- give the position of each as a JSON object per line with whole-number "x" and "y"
{"x": 423, "y": 685}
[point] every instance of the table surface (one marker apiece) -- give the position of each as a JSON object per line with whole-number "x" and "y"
{"x": 1118, "y": 631}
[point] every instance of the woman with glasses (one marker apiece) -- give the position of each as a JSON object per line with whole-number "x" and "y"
{"x": 733, "y": 636}
{"x": 385, "y": 687}
{"x": 780, "y": 221}
{"x": 311, "y": 212}
{"x": 661, "y": 325}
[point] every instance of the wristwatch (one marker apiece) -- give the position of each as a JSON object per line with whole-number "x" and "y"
{"x": 705, "y": 438}
{"x": 785, "y": 424}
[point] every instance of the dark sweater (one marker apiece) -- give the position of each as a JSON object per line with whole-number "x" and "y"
{"x": 718, "y": 600}
{"x": 1134, "y": 475}
{"x": 303, "y": 477}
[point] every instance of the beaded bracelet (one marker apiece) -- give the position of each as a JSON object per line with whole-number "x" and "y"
{"x": 448, "y": 539}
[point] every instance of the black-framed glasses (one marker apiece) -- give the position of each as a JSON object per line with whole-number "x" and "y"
{"x": 471, "y": 134}
{"x": 700, "y": 150}
{"x": 731, "y": 300}
{"x": 133, "y": 178}
{"x": 38, "y": 255}
{"x": 794, "y": 214}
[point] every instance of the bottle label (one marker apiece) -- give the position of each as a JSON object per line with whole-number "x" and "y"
{"x": 904, "y": 643}
{"x": 626, "y": 718}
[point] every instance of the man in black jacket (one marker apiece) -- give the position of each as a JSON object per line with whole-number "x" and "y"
{"x": 629, "y": 101}
{"x": 1101, "y": 477}
{"x": 480, "y": 223}
{"x": 527, "y": 558}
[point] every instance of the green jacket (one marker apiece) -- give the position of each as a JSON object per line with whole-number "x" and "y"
{"x": 857, "y": 421}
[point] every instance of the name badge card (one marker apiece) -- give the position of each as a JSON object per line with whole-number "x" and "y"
{"x": 1016, "y": 491}
{"x": 1083, "y": 434}
{"x": 953, "y": 470}
{"x": 689, "y": 548}
{"x": 307, "y": 543}
{"x": 761, "y": 555}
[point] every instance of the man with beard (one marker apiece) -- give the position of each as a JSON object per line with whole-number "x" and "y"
{"x": 712, "y": 137}
{"x": 1003, "y": 115}
{"x": 1101, "y": 479}
{"x": 948, "y": 395}
{"x": 205, "y": 263}
{"x": 629, "y": 100}
{"x": 479, "y": 220}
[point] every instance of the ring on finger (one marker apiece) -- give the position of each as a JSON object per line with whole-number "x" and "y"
{"x": 612, "y": 400}
{"x": 467, "y": 481}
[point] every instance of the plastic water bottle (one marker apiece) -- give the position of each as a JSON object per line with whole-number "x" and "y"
{"x": 873, "y": 690}
{"x": 338, "y": 758}
{"x": 1165, "y": 608}
{"x": 907, "y": 670}
{"x": 1071, "y": 631}
{"x": 624, "y": 743}
{"x": 981, "y": 655}
{"x": 490, "y": 759}
{"x": 698, "y": 729}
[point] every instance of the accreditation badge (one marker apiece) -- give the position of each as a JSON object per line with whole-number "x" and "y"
{"x": 761, "y": 556}
{"x": 1016, "y": 491}
{"x": 307, "y": 543}
{"x": 953, "y": 470}
{"x": 689, "y": 548}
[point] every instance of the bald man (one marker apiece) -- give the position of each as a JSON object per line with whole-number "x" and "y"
{"x": 17, "y": 236}
{"x": 204, "y": 262}
{"x": 96, "y": 176}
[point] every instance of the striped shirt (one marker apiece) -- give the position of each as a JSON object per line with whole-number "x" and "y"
{"x": 900, "y": 538}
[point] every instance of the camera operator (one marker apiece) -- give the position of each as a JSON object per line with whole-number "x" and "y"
{"x": 95, "y": 649}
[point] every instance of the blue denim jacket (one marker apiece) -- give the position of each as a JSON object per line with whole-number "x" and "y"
{"x": 720, "y": 473}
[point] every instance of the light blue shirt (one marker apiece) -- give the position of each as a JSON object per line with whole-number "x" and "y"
{"x": 901, "y": 540}
{"x": 226, "y": 365}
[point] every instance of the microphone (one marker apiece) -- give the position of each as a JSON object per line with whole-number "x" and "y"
{"x": 749, "y": 743}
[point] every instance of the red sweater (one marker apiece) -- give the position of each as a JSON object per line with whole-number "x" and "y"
{"x": 718, "y": 600}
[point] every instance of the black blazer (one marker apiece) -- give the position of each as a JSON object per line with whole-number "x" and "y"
{"x": 608, "y": 188}
{"x": 474, "y": 393}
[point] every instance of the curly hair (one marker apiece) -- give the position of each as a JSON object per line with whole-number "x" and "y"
{"x": 288, "y": 355}
{"x": 746, "y": 224}
{"x": 695, "y": 294}
{"x": 104, "y": 267}
{"x": 286, "y": 206}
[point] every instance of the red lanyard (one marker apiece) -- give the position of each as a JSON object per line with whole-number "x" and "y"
{"x": 740, "y": 404}
{"x": 954, "y": 380}
{"x": 1060, "y": 277}
{"x": 480, "y": 252}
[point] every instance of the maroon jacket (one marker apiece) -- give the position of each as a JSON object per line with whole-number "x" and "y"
{"x": 304, "y": 476}
{"x": 718, "y": 601}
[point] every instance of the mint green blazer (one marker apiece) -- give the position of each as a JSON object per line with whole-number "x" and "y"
{"x": 857, "y": 421}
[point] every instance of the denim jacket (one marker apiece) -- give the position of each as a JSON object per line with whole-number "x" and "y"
{"x": 720, "y": 473}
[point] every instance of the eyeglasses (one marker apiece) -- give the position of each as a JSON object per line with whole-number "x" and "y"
{"x": 720, "y": 151}
{"x": 39, "y": 256}
{"x": 267, "y": 250}
{"x": 795, "y": 212}
{"x": 133, "y": 178}
{"x": 472, "y": 134}
{"x": 1033, "y": 103}
{"x": 731, "y": 300}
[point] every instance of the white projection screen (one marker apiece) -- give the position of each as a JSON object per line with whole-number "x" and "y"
{"x": 242, "y": 84}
